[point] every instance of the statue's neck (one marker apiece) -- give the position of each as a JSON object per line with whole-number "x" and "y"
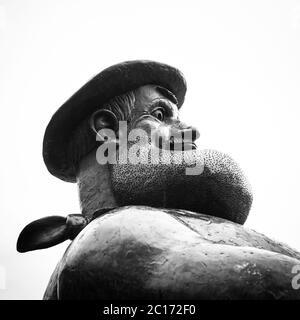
{"x": 94, "y": 186}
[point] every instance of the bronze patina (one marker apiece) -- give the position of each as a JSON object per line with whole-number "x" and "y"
{"x": 150, "y": 230}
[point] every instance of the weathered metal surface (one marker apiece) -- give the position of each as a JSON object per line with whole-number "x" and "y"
{"x": 141, "y": 252}
{"x": 151, "y": 252}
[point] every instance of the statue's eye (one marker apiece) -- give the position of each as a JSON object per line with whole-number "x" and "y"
{"x": 159, "y": 114}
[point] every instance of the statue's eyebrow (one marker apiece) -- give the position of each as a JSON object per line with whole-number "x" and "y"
{"x": 167, "y": 94}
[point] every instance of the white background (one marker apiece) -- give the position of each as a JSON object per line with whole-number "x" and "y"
{"x": 241, "y": 60}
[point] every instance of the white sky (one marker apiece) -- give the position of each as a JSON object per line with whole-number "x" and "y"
{"x": 241, "y": 60}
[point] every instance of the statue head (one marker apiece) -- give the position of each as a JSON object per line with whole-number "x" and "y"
{"x": 121, "y": 139}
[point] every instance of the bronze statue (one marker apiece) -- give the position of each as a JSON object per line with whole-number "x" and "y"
{"x": 161, "y": 227}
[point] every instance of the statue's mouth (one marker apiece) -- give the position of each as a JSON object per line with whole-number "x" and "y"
{"x": 184, "y": 146}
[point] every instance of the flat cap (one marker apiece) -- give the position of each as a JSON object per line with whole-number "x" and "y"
{"x": 113, "y": 81}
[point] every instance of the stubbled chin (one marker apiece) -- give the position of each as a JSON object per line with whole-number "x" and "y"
{"x": 219, "y": 189}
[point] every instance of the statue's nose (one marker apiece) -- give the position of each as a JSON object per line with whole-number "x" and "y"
{"x": 190, "y": 133}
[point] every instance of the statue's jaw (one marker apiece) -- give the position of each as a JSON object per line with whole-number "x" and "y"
{"x": 203, "y": 181}
{"x": 146, "y": 253}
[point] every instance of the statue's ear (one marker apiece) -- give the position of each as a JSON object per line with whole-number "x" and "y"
{"x": 104, "y": 120}
{"x": 50, "y": 231}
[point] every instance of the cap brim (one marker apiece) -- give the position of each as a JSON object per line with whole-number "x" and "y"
{"x": 115, "y": 80}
